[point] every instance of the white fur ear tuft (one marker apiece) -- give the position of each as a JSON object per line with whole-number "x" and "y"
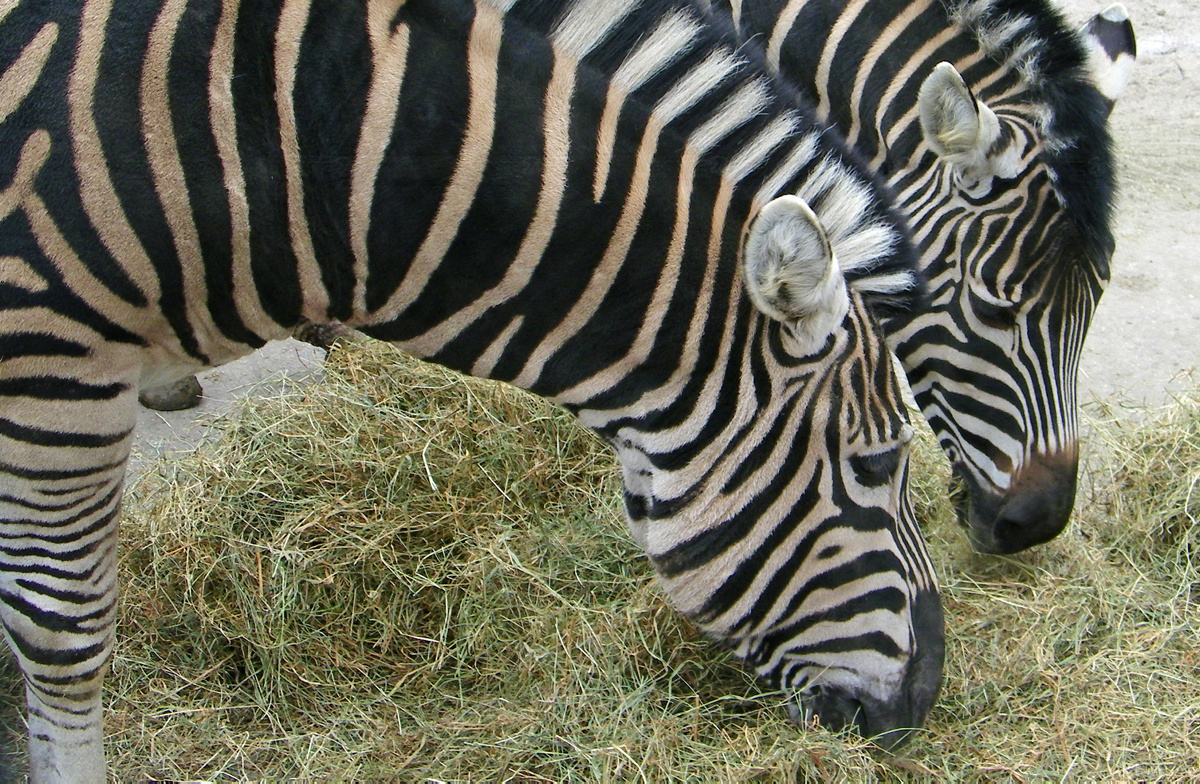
{"x": 1112, "y": 49}
{"x": 957, "y": 127}
{"x": 790, "y": 271}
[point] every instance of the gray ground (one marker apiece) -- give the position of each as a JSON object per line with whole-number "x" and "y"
{"x": 267, "y": 370}
{"x": 1145, "y": 334}
{"x": 1146, "y": 328}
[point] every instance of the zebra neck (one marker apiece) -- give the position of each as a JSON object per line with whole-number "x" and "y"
{"x": 654, "y": 150}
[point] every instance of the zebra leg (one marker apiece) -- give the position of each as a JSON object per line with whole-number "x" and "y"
{"x": 64, "y": 442}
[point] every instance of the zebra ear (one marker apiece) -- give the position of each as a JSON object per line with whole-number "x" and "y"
{"x": 957, "y": 126}
{"x": 1112, "y": 49}
{"x": 790, "y": 271}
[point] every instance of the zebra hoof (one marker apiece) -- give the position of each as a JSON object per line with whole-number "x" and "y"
{"x": 184, "y": 393}
{"x": 322, "y": 335}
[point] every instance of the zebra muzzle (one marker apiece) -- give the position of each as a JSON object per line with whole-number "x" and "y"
{"x": 1034, "y": 509}
{"x": 889, "y": 722}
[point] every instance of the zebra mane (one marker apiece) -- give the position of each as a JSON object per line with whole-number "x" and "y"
{"x": 890, "y": 283}
{"x": 870, "y": 239}
{"x": 1033, "y": 40}
{"x": 889, "y": 279}
{"x": 878, "y": 260}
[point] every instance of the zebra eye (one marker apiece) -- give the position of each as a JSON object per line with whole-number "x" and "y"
{"x": 994, "y": 315}
{"x": 875, "y": 469}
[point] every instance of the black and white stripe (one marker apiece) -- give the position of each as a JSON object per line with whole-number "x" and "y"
{"x": 595, "y": 200}
{"x": 1000, "y": 159}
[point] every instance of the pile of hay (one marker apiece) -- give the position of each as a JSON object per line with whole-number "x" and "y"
{"x": 403, "y": 573}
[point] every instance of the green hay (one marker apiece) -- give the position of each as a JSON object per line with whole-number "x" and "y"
{"x": 403, "y": 573}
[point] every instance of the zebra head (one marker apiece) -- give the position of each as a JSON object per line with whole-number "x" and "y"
{"x": 1014, "y": 227}
{"x": 773, "y": 502}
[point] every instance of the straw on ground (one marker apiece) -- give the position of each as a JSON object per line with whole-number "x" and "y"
{"x": 403, "y": 573}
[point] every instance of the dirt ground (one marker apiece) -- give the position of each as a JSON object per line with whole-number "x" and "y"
{"x": 1148, "y": 324}
{"x": 1145, "y": 336}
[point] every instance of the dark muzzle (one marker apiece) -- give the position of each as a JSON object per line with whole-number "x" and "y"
{"x": 890, "y": 723}
{"x": 1035, "y": 508}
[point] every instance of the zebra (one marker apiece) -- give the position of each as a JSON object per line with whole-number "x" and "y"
{"x": 988, "y": 118}
{"x": 600, "y": 201}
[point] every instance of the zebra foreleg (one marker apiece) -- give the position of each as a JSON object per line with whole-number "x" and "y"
{"x": 63, "y": 447}
{"x": 66, "y": 729}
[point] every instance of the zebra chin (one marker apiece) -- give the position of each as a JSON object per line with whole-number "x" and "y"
{"x": 1034, "y": 509}
{"x": 890, "y": 719}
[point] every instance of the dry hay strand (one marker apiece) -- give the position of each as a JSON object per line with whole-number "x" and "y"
{"x": 402, "y": 573}
{"x": 1078, "y": 660}
{"x": 1152, "y": 485}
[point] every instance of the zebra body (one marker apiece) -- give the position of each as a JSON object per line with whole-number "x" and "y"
{"x": 599, "y": 202}
{"x": 988, "y": 119}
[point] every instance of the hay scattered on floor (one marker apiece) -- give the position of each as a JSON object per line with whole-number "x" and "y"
{"x": 403, "y": 573}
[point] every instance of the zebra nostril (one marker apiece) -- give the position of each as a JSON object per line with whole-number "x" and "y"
{"x": 837, "y": 710}
{"x": 1026, "y": 522}
{"x": 887, "y": 725}
{"x": 1019, "y": 519}
{"x": 1013, "y": 535}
